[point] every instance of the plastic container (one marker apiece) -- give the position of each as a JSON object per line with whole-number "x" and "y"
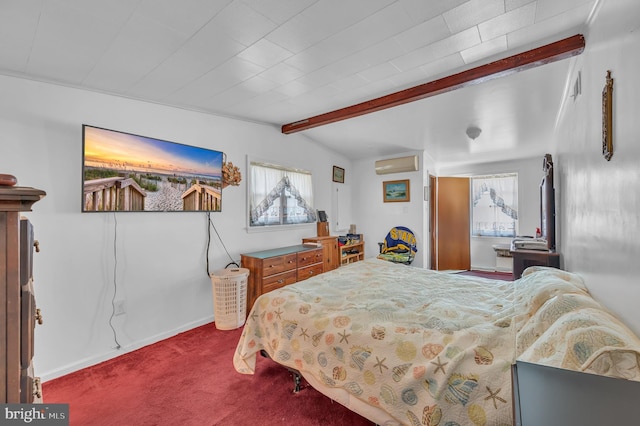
{"x": 229, "y": 297}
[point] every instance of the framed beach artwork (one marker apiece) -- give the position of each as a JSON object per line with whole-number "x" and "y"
{"x": 396, "y": 191}
{"x": 125, "y": 172}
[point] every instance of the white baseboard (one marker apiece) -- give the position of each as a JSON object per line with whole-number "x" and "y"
{"x": 88, "y": 362}
{"x": 483, "y": 268}
{"x": 491, "y": 268}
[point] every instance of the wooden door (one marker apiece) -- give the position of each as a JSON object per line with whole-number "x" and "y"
{"x": 433, "y": 181}
{"x": 452, "y": 224}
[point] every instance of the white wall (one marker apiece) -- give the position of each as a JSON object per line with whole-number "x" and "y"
{"x": 530, "y": 174}
{"x": 599, "y": 200}
{"x": 374, "y": 218}
{"x": 429, "y": 169}
{"x": 160, "y": 271}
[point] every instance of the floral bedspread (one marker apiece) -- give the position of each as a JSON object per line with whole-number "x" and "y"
{"x": 560, "y": 325}
{"x": 428, "y": 348}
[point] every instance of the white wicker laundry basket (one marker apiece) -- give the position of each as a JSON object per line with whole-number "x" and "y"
{"x": 229, "y": 297}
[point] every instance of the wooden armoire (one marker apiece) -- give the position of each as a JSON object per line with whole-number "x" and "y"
{"x": 18, "y": 313}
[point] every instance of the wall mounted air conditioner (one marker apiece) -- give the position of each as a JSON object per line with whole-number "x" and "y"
{"x": 397, "y": 165}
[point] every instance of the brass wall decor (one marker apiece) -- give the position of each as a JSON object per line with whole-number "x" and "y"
{"x": 607, "y": 118}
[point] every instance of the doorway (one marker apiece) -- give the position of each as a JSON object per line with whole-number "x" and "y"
{"x": 450, "y": 223}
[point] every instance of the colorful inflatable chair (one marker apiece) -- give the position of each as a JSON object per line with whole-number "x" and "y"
{"x": 399, "y": 246}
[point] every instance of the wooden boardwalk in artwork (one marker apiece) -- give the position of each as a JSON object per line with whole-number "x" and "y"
{"x": 113, "y": 194}
{"x": 124, "y": 194}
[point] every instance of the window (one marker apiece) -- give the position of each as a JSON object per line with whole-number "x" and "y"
{"x": 279, "y": 195}
{"x": 495, "y": 205}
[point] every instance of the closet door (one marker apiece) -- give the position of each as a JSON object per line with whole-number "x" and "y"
{"x": 452, "y": 233}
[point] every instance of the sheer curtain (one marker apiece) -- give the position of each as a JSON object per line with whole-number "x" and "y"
{"x": 280, "y": 196}
{"x": 495, "y": 205}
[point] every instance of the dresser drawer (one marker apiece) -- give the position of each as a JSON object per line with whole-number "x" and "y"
{"x": 310, "y": 257}
{"x": 279, "y": 264}
{"x": 310, "y": 271}
{"x": 276, "y": 281}
{"x": 275, "y": 268}
{"x": 28, "y": 316}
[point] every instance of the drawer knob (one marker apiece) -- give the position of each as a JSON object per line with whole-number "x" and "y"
{"x": 280, "y": 281}
{"x": 36, "y": 244}
{"x": 39, "y": 316}
{"x": 310, "y": 272}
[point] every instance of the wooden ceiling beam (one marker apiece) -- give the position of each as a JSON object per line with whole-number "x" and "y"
{"x": 549, "y": 53}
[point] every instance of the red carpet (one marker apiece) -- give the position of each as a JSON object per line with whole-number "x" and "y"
{"x": 189, "y": 379}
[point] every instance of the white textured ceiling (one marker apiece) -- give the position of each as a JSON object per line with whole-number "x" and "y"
{"x": 279, "y": 61}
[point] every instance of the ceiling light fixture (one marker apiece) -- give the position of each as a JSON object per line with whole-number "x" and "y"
{"x": 473, "y": 132}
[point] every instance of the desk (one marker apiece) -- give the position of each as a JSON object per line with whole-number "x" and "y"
{"x": 522, "y": 259}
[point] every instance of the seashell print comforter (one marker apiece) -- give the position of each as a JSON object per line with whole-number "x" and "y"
{"x": 430, "y": 348}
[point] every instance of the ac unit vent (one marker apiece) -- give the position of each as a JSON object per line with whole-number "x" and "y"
{"x": 397, "y": 165}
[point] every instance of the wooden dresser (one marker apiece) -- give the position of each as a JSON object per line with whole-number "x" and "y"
{"x": 330, "y": 251}
{"x": 18, "y": 313}
{"x": 275, "y": 268}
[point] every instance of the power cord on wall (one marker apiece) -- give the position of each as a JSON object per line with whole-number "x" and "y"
{"x": 115, "y": 281}
{"x": 209, "y": 226}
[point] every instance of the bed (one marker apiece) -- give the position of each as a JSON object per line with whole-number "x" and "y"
{"x": 404, "y": 345}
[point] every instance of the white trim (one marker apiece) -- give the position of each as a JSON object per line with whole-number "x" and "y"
{"x": 90, "y": 361}
{"x": 483, "y": 268}
{"x": 272, "y": 228}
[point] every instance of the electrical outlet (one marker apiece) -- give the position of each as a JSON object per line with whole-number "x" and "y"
{"x": 118, "y": 307}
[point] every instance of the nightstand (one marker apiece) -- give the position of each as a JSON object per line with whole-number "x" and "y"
{"x": 522, "y": 259}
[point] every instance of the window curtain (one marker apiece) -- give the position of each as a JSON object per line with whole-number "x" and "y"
{"x": 273, "y": 186}
{"x": 495, "y": 205}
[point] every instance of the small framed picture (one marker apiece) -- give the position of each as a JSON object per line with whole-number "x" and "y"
{"x": 338, "y": 174}
{"x": 395, "y": 191}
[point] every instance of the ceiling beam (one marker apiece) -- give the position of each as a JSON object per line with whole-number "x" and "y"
{"x": 553, "y": 52}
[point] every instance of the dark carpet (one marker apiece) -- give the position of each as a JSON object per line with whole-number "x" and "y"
{"x": 189, "y": 379}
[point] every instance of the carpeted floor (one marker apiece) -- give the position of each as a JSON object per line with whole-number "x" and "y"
{"x": 189, "y": 379}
